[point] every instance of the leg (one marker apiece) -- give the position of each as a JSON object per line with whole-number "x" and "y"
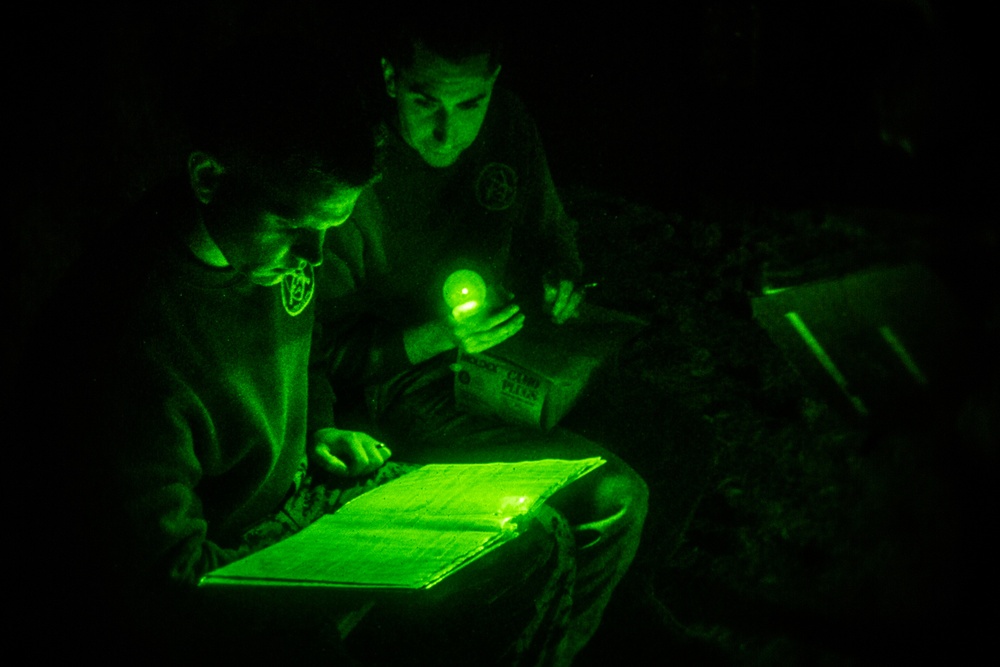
{"x": 257, "y": 624}
{"x": 511, "y": 607}
{"x": 605, "y": 510}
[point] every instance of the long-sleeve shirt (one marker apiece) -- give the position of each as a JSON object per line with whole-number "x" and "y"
{"x": 495, "y": 211}
{"x": 170, "y": 404}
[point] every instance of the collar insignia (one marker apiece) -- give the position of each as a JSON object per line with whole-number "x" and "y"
{"x": 496, "y": 186}
{"x": 297, "y": 289}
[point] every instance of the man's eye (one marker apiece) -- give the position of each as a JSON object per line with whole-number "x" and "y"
{"x": 469, "y": 106}
{"x": 423, "y": 102}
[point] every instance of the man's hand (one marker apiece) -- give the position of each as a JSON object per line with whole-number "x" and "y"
{"x": 562, "y": 300}
{"x": 477, "y": 331}
{"x": 347, "y": 453}
{"x": 467, "y": 327}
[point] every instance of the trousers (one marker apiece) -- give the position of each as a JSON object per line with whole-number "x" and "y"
{"x": 415, "y": 413}
{"x": 511, "y": 607}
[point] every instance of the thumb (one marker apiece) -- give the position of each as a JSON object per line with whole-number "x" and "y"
{"x": 330, "y": 463}
{"x": 464, "y": 311}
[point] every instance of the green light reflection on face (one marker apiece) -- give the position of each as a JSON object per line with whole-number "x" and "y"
{"x": 441, "y": 104}
{"x": 266, "y": 245}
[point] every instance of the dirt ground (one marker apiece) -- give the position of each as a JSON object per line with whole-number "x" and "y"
{"x": 809, "y": 537}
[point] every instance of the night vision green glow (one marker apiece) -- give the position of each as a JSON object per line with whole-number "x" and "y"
{"x": 464, "y": 291}
{"x": 825, "y": 360}
{"x": 904, "y": 356}
{"x": 464, "y": 309}
{"x": 511, "y": 508}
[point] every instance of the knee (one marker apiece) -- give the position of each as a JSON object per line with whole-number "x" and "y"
{"x": 618, "y": 502}
{"x": 623, "y": 491}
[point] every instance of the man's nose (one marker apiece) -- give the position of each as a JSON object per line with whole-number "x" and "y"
{"x": 444, "y": 128}
{"x": 309, "y": 245}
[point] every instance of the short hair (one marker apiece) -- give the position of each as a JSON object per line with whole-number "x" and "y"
{"x": 281, "y": 116}
{"x": 454, "y": 40}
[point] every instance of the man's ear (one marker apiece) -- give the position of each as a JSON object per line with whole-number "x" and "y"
{"x": 204, "y": 172}
{"x": 389, "y": 75}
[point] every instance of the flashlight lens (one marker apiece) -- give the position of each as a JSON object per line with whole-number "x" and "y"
{"x": 462, "y": 287}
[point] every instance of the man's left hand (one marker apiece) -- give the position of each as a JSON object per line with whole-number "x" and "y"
{"x": 347, "y": 453}
{"x": 562, "y": 300}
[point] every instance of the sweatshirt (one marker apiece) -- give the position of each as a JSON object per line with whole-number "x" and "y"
{"x": 171, "y": 404}
{"x": 495, "y": 210}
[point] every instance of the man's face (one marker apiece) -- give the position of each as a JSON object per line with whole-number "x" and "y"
{"x": 441, "y": 104}
{"x": 267, "y": 240}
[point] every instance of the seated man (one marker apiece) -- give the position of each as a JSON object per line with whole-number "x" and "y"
{"x": 171, "y": 382}
{"x": 466, "y": 186}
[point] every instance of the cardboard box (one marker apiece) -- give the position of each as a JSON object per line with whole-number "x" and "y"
{"x": 534, "y": 378}
{"x": 882, "y": 343}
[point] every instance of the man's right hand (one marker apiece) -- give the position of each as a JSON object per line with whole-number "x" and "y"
{"x": 471, "y": 331}
{"x": 347, "y": 453}
{"x": 478, "y": 331}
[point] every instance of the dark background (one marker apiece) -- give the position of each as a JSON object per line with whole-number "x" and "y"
{"x": 784, "y": 102}
{"x": 699, "y": 144}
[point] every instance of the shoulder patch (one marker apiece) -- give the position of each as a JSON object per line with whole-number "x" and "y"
{"x": 496, "y": 186}
{"x": 297, "y": 289}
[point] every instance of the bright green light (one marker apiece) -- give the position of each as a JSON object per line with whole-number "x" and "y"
{"x": 904, "y": 356}
{"x": 825, "y": 360}
{"x": 511, "y": 508}
{"x": 464, "y": 290}
{"x": 464, "y": 309}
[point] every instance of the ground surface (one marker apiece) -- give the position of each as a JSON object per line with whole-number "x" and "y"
{"x": 814, "y": 538}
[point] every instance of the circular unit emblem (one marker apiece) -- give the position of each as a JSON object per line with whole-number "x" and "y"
{"x": 496, "y": 186}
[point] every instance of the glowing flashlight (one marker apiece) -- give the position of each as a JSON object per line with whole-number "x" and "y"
{"x": 464, "y": 292}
